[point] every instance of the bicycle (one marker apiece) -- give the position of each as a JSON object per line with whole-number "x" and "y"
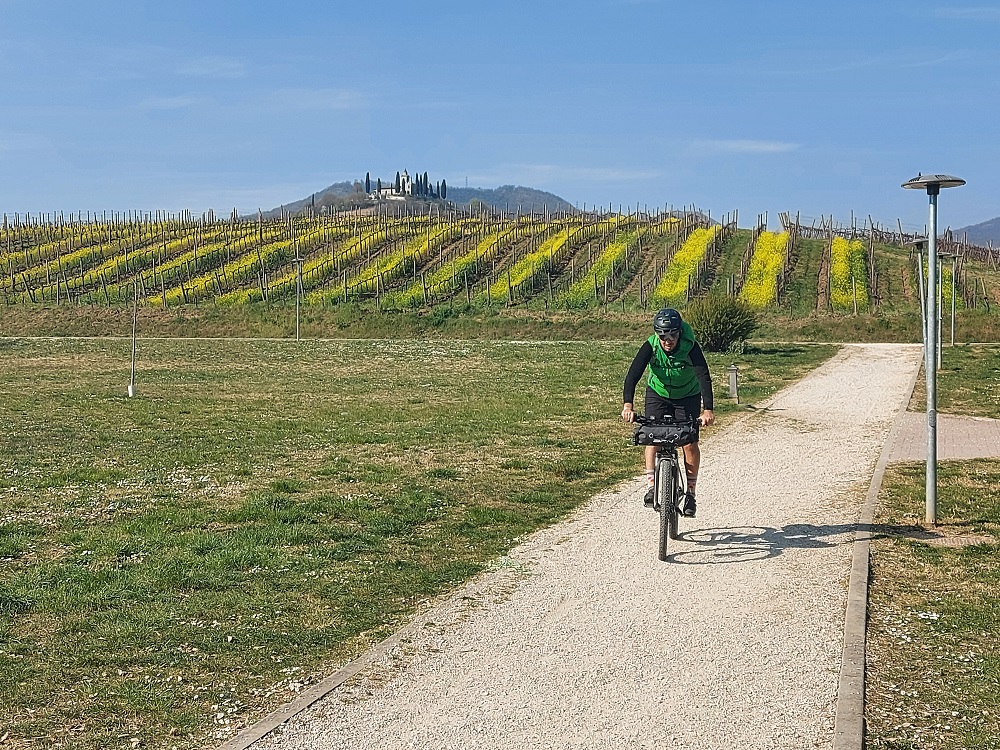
{"x": 669, "y": 479}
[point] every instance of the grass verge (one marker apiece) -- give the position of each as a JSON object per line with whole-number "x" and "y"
{"x": 536, "y": 321}
{"x": 934, "y": 613}
{"x": 173, "y": 565}
{"x": 934, "y": 607}
{"x": 967, "y": 383}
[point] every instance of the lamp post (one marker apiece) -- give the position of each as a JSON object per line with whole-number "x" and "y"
{"x": 932, "y": 184}
{"x": 953, "y": 257}
{"x": 920, "y": 244}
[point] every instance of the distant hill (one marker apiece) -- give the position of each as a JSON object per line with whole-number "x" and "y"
{"x": 981, "y": 234}
{"x": 343, "y": 195}
{"x": 337, "y": 193}
{"x": 510, "y": 197}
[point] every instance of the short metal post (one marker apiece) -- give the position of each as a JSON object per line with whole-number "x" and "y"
{"x": 734, "y": 376}
{"x": 135, "y": 320}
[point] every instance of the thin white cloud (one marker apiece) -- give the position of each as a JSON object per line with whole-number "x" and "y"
{"x": 317, "y": 99}
{"x": 744, "y": 146}
{"x": 12, "y": 141}
{"x": 948, "y": 57}
{"x": 549, "y": 173}
{"x": 970, "y": 13}
{"x": 214, "y": 67}
{"x": 168, "y": 102}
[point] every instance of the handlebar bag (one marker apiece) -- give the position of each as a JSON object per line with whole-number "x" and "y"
{"x": 673, "y": 435}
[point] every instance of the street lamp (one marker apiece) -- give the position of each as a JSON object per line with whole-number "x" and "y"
{"x": 920, "y": 244}
{"x": 954, "y": 269}
{"x": 932, "y": 184}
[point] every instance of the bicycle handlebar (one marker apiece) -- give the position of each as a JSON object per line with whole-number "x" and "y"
{"x": 642, "y": 419}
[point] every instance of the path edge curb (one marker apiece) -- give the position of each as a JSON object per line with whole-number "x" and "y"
{"x": 251, "y": 734}
{"x": 849, "y": 727}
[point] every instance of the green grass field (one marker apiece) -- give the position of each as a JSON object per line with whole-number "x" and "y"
{"x": 174, "y": 565}
{"x": 934, "y": 611}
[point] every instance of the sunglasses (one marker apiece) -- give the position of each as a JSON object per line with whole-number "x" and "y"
{"x": 669, "y": 336}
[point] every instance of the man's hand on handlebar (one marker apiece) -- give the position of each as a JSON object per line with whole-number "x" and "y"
{"x": 628, "y": 413}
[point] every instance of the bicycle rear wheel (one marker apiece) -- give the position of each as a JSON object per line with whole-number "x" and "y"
{"x": 667, "y": 500}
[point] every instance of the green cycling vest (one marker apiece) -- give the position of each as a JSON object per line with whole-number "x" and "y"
{"x": 672, "y": 375}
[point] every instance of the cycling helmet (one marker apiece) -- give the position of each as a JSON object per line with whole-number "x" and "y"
{"x": 667, "y": 320}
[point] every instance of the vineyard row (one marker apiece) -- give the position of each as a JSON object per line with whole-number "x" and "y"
{"x": 409, "y": 261}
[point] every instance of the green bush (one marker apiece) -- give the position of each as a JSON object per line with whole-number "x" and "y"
{"x": 720, "y": 321}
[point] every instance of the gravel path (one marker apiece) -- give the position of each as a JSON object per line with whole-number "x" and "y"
{"x": 582, "y": 639}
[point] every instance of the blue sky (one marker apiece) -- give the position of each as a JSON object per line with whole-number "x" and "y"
{"x": 767, "y": 106}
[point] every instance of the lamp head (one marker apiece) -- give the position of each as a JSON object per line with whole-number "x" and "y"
{"x": 933, "y": 183}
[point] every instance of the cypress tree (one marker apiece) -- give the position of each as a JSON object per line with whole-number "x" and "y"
{"x": 444, "y": 188}
{"x": 368, "y": 182}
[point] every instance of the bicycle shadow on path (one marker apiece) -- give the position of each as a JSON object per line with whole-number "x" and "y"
{"x": 754, "y": 543}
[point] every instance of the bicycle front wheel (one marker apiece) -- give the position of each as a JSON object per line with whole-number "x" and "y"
{"x": 675, "y": 498}
{"x": 667, "y": 499}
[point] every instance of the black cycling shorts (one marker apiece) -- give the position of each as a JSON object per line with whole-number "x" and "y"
{"x": 685, "y": 408}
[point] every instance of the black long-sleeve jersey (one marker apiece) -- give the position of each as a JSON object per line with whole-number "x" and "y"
{"x": 641, "y": 361}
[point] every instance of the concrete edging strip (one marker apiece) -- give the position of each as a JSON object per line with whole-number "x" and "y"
{"x": 267, "y": 724}
{"x": 320, "y": 690}
{"x": 275, "y": 719}
{"x": 849, "y": 724}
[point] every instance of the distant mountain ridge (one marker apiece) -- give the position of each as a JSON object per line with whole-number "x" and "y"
{"x": 510, "y": 197}
{"x": 984, "y": 233}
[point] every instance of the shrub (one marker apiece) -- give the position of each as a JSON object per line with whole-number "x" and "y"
{"x": 720, "y": 321}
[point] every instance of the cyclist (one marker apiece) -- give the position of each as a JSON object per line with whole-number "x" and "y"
{"x": 679, "y": 385}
